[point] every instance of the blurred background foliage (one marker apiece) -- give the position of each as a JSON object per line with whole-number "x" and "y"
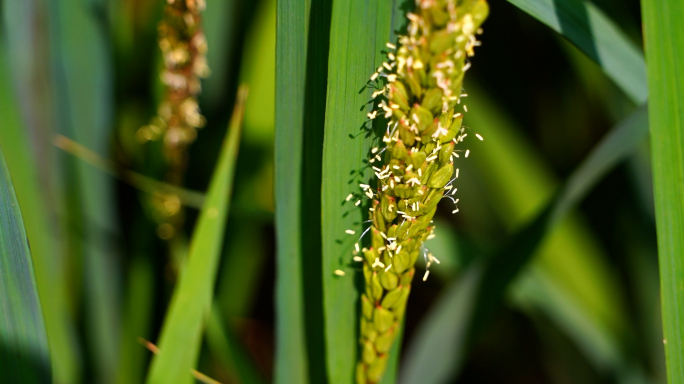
{"x": 585, "y": 309}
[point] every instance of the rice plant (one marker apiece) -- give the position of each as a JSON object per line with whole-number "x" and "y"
{"x": 247, "y": 191}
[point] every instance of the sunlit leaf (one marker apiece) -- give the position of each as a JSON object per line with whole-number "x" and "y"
{"x": 586, "y": 26}
{"x": 181, "y": 334}
{"x": 664, "y": 40}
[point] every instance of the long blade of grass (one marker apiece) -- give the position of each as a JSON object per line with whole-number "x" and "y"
{"x": 48, "y": 265}
{"x": 24, "y": 353}
{"x": 83, "y": 84}
{"x": 358, "y": 34}
{"x": 302, "y": 31}
{"x": 664, "y": 40}
{"x": 448, "y": 330}
{"x": 181, "y": 334}
{"x": 587, "y": 27}
{"x": 291, "y": 26}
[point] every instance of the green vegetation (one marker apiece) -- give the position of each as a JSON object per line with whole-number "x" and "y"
{"x": 129, "y": 254}
{"x": 666, "y": 117}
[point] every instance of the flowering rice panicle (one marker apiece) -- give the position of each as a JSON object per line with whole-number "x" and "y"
{"x": 184, "y": 49}
{"x": 420, "y": 93}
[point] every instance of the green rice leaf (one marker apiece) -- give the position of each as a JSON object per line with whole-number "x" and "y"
{"x": 587, "y": 27}
{"x": 84, "y": 108}
{"x": 302, "y": 31}
{"x": 358, "y": 35}
{"x": 291, "y": 47}
{"x": 181, "y": 334}
{"x": 24, "y": 353}
{"x": 664, "y": 41}
{"x": 32, "y": 193}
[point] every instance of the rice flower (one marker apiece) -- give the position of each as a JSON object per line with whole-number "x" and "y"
{"x": 184, "y": 49}
{"x": 420, "y": 93}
